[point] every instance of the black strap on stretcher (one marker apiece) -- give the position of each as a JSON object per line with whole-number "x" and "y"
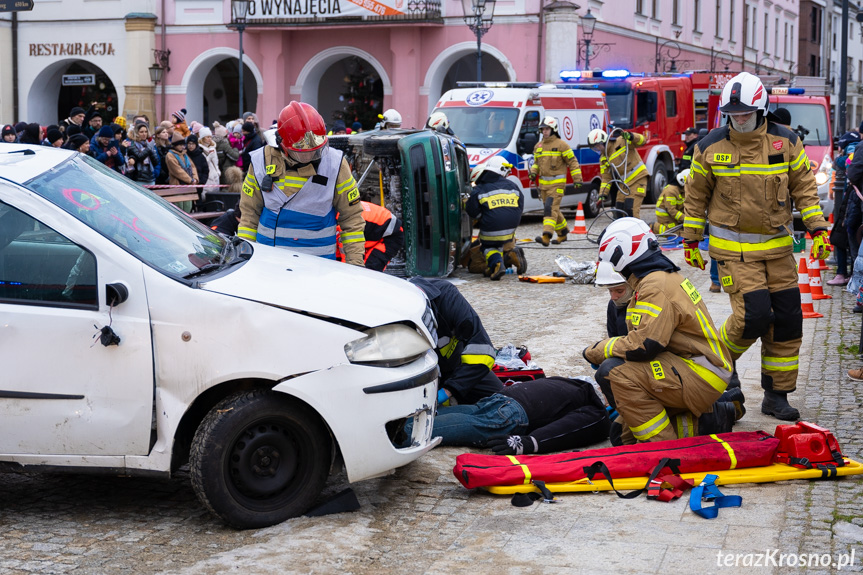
{"x": 655, "y": 482}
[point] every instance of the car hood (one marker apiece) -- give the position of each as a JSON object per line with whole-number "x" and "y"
{"x": 323, "y": 287}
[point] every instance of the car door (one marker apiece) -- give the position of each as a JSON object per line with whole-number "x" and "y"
{"x": 63, "y": 391}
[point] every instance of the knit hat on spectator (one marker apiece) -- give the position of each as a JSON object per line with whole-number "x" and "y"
{"x": 105, "y": 132}
{"x": 53, "y": 135}
{"x": 177, "y": 138}
{"x": 72, "y": 129}
{"x": 180, "y": 115}
{"x": 195, "y": 127}
{"x": 204, "y": 132}
{"x": 339, "y": 126}
{"x": 237, "y": 129}
{"x": 250, "y": 117}
{"x": 248, "y": 127}
{"x": 76, "y": 141}
{"x": 191, "y": 138}
{"x": 19, "y": 127}
{"x": 121, "y": 121}
{"x": 8, "y": 129}
{"x": 76, "y": 110}
{"x": 356, "y": 126}
{"x": 220, "y": 132}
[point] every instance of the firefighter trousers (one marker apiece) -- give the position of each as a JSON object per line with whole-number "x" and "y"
{"x": 765, "y": 305}
{"x": 476, "y": 261}
{"x": 552, "y": 218}
{"x": 659, "y": 399}
{"x": 631, "y": 203}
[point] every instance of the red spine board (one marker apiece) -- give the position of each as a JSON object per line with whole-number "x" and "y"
{"x": 734, "y": 450}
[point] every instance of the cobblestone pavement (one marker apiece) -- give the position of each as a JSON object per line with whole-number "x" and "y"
{"x": 420, "y": 520}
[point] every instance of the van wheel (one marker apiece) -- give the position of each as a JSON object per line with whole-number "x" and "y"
{"x": 382, "y": 145}
{"x": 658, "y": 181}
{"x": 592, "y": 204}
{"x": 259, "y": 458}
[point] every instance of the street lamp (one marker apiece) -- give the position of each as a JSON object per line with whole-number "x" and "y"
{"x": 764, "y": 61}
{"x": 588, "y": 23}
{"x": 160, "y": 65}
{"x": 478, "y": 15}
{"x": 240, "y": 9}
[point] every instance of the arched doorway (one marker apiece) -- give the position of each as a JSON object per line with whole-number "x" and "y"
{"x": 101, "y": 90}
{"x": 211, "y": 85}
{"x": 458, "y": 63}
{"x": 351, "y": 90}
{"x": 49, "y": 101}
{"x": 221, "y": 92}
{"x": 464, "y": 70}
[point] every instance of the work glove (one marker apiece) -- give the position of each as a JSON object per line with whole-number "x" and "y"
{"x": 587, "y": 359}
{"x": 627, "y": 136}
{"x": 821, "y": 247}
{"x": 267, "y": 183}
{"x": 512, "y": 445}
{"x": 445, "y": 398}
{"x": 531, "y": 176}
{"x": 692, "y": 255}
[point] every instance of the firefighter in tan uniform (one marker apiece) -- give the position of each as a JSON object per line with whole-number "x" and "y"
{"x": 619, "y": 163}
{"x": 552, "y": 157}
{"x": 292, "y": 194}
{"x": 743, "y": 180}
{"x": 666, "y": 373}
{"x": 669, "y": 206}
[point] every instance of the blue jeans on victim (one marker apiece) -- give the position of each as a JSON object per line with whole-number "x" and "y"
{"x": 474, "y": 425}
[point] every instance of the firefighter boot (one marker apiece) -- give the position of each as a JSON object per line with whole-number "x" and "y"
{"x": 735, "y": 396}
{"x": 516, "y": 258}
{"x": 544, "y": 239}
{"x": 496, "y": 269}
{"x": 720, "y": 420}
{"x": 561, "y": 236}
{"x": 776, "y": 404}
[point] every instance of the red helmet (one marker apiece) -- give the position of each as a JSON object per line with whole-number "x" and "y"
{"x": 302, "y": 132}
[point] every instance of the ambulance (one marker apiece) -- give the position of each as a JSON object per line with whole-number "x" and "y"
{"x": 503, "y": 119}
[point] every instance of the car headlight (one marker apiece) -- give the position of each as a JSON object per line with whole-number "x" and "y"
{"x": 387, "y": 346}
{"x": 821, "y": 178}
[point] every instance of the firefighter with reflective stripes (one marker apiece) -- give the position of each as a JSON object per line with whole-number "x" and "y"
{"x": 384, "y": 236}
{"x": 669, "y": 206}
{"x": 292, "y": 192}
{"x": 690, "y": 138}
{"x": 552, "y": 157}
{"x": 619, "y": 163}
{"x": 465, "y": 354}
{"x": 743, "y": 180}
{"x": 671, "y": 366}
{"x": 498, "y": 204}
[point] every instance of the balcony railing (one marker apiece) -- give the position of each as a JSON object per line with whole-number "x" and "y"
{"x": 287, "y": 13}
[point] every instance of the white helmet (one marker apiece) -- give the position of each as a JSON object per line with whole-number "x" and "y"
{"x": 596, "y": 136}
{"x": 625, "y": 241}
{"x": 606, "y": 276}
{"x": 391, "y": 119}
{"x": 742, "y": 94}
{"x": 549, "y": 122}
{"x": 496, "y": 164}
{"x": 681, "y": 177}
{"x": 438, "y": 121}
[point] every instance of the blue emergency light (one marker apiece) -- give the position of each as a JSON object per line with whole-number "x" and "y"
{"x": 572, "y": 75}
{"x": 615, "y": 73}
{"x": 782, "y": 90}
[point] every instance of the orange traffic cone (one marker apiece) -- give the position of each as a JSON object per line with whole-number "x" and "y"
{"x": 805, "y": 294}
{"x": 579, "y": 228}
{"x": 815, "y": 282}
{"x": 819, "y": 265}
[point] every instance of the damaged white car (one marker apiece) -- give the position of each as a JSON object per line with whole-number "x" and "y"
{"x": 135, "y": 339}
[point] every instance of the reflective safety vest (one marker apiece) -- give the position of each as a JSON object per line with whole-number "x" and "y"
{"x": 304, "y": 221}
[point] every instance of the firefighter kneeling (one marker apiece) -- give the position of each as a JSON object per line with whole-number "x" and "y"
{"x": 665, "y": 376}
{"x": 498, "y": 204}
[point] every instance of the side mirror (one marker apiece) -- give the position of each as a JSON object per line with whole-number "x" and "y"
{"x": 115, "y": 294}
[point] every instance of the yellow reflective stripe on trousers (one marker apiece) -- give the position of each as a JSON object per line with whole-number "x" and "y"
{"x": 780, "y": 363}
{"x": 560, "y": 226}
{"x": 548, "y": 222}
{"x": 729, "y": 449}
{"x": 655, "y": 425}
{"x": 553, "y": 180}
{"x": 685, "y": 425}
{"x": 524, "y": 468}
{"x": 732, "y": 246}
{"x": 714, "y": 380}
{"x": 693, "y": 222}
{"x": 485, "y": 360}
{"x": 247, "y": 233}
{"x": 727, "y": 341}
{"x": 609, "y": 347}
{"x": 712, "y": 340}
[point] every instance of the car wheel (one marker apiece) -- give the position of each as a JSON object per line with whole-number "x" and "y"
{"x": 382, "y": 145}
{"x": 259, "y": 458}
{"x": 592, "y": 204}
{"x": 658, "y": 181}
